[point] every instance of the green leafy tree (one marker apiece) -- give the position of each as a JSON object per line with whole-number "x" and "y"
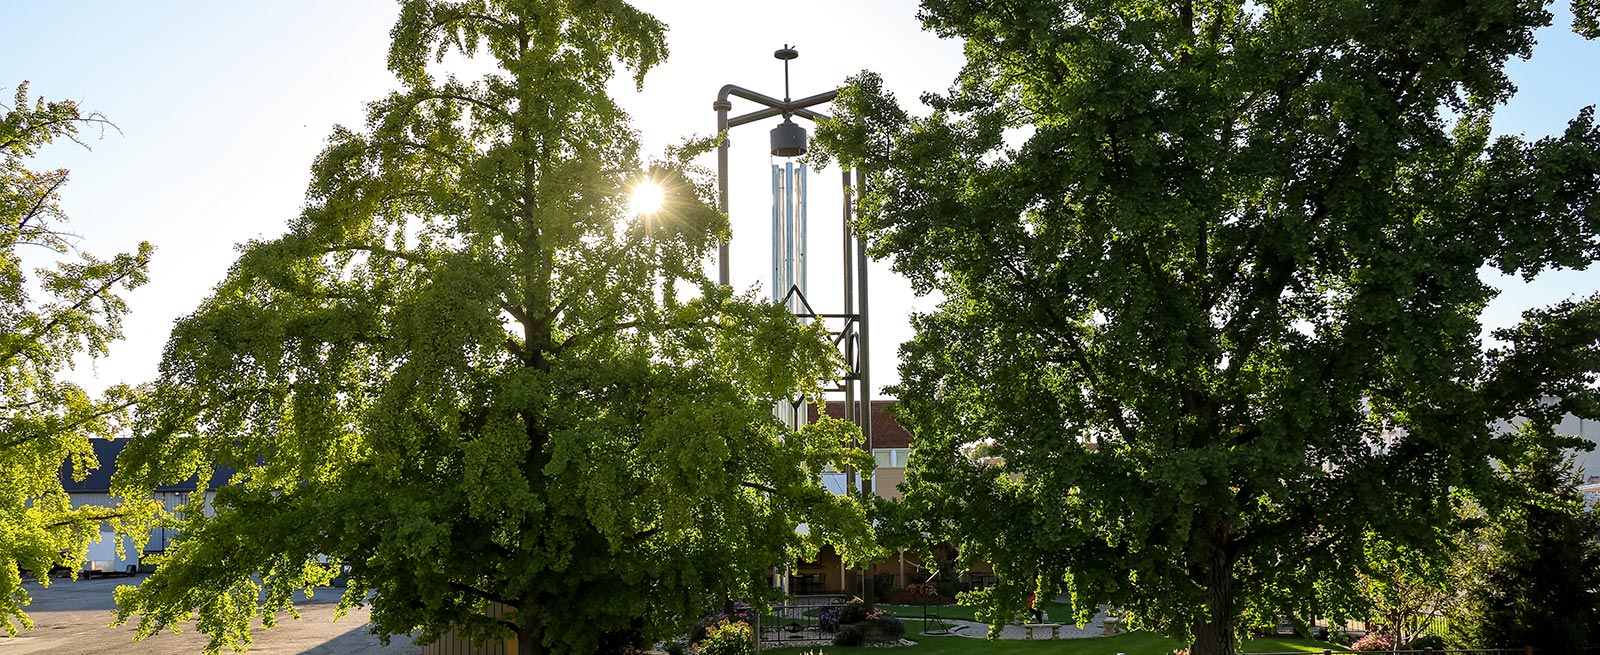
{"x": 1409, "y": 594}
{"x": 67, "y": 309}
{"x": 1537, "y": 581}
{"x": 1211, "y": 288}
{"x": 470, "y": 376}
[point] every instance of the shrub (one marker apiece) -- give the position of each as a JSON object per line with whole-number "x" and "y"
{"x": 828, "y": 619}
{"x": 1375, "y": 641}
{"x": 884, "y": 627}
{"x": 855, "y": 625}
{"x": 741, "y": 614}
{"x": 854, "y": 611}
{"x": 676, "y": 648}
{"x": 850, "y": 635}
{"x": 1341, "y": 637}
{"x": 920, "y": 594}
{"x": 621, "y": 642}
{"x": 1424, "y": 642}
{"x": 880, "y": 628}
{"x": 728, "y": 638}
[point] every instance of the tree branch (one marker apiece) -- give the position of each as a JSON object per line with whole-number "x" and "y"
{"x": 515, "y": 311}
{"x": 70, "y": 426}
{"x": 1077, "y": 354}
{"x": 95, "y": 117}
{"x": 454, "y": 160}
{"x": 376, "y": 250}
{"x": 469, "y": 100}
{"x": 457, "y": 16}
{"x": 618, "y": 327}
{"x": 641, "y": 536}
{"x": 61, "y": 315}
{"x": 38, "y": 204}
{"x": 85, "y": 519}
{"x": 485, "y": 595}
{"x": 22, "y": 405}
{"x": 758, "y": 487}
{"x": 515, "y": 349}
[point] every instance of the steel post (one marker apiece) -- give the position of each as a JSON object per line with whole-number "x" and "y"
{"x": 865, "y": 354}
{"x": 722, "y": 106}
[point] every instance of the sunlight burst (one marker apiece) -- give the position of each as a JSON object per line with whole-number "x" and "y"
{"x": 647, "y": 197}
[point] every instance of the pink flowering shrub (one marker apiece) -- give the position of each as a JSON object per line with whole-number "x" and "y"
{"x": 1374, "y": 641}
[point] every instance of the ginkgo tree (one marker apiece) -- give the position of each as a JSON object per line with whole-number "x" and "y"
{"x": 471, "y": 377}
{"x": 1212, "y": 295}
{"x": 70, "y": 307}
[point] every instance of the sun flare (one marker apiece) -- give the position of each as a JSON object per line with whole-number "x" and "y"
{"x": 647, "y": 197}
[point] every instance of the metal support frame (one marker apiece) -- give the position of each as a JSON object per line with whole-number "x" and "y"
{"x": 775, "y": 107}
{"x": 852, "y": 335}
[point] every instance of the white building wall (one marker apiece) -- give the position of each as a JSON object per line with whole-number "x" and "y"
{"x": 1588, "y": 463}
{"x": 160, "y": 537}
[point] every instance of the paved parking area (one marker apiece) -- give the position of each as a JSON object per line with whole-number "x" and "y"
{"x": 71, "y": 618}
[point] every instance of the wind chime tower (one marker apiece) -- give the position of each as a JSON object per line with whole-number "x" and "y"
{"x": 789, "y": 228}
{"x": 790, "y": 231}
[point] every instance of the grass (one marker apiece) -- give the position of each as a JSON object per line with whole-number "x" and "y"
{"x": 1136, "y": 643}
{"x": 1290, "y": 645}
{"x": 1131, "y": 643}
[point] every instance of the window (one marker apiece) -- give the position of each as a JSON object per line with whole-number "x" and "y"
{"x": 891, "y": 457}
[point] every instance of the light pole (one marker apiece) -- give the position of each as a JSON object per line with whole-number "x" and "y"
{"x": 789, "y": 140}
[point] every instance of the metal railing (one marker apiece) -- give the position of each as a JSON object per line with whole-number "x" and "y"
{"x": 801, "y": 619}
{"x": 1428, "y": 651}
{"x": 932, "y": 622}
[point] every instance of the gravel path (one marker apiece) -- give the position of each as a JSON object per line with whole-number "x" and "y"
{"x": 71, "y": 618}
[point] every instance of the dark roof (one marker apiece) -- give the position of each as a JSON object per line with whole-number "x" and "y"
{"x": 99, "y": 479}
{"x": 886, "y": 432}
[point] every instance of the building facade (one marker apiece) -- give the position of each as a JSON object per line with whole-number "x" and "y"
{"x": 95, "y": 490}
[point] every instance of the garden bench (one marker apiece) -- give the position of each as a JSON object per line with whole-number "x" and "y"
{"x": 1055, "y": 629}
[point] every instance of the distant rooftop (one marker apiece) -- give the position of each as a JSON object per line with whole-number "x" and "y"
{"x": 99, "y": 480}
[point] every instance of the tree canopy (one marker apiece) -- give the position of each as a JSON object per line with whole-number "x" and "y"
{"x": 67, "y": 308}
{"x": 1212, "y": 295}
{"x": 470, "y": 377}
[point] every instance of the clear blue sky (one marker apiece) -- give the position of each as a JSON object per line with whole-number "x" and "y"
{"x": 223, "y": 105}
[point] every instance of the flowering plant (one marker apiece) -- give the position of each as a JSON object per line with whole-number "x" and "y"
{"x": 728, "y": 638}
{"x": 828, "y": 619}
{"x": 1374, "y": 641}
{"x": 742, "y": 613}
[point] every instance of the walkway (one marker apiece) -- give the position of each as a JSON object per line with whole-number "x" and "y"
{"x": 1069, "y": 630}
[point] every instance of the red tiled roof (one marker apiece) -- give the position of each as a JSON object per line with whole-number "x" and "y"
{"x": 886, "y": 432}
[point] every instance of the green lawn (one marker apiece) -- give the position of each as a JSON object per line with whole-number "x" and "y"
{"x": 1137, "y": 643}
{"x": 1291, "y": 645}
{"x": 1133, "y": 643}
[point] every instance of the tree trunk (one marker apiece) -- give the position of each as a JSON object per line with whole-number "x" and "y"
{"x": 530, "y": 638}
{"x": 1212, "y": 638}
{"x": 1214, "y": 634}
{"x": 868, "y": 592}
